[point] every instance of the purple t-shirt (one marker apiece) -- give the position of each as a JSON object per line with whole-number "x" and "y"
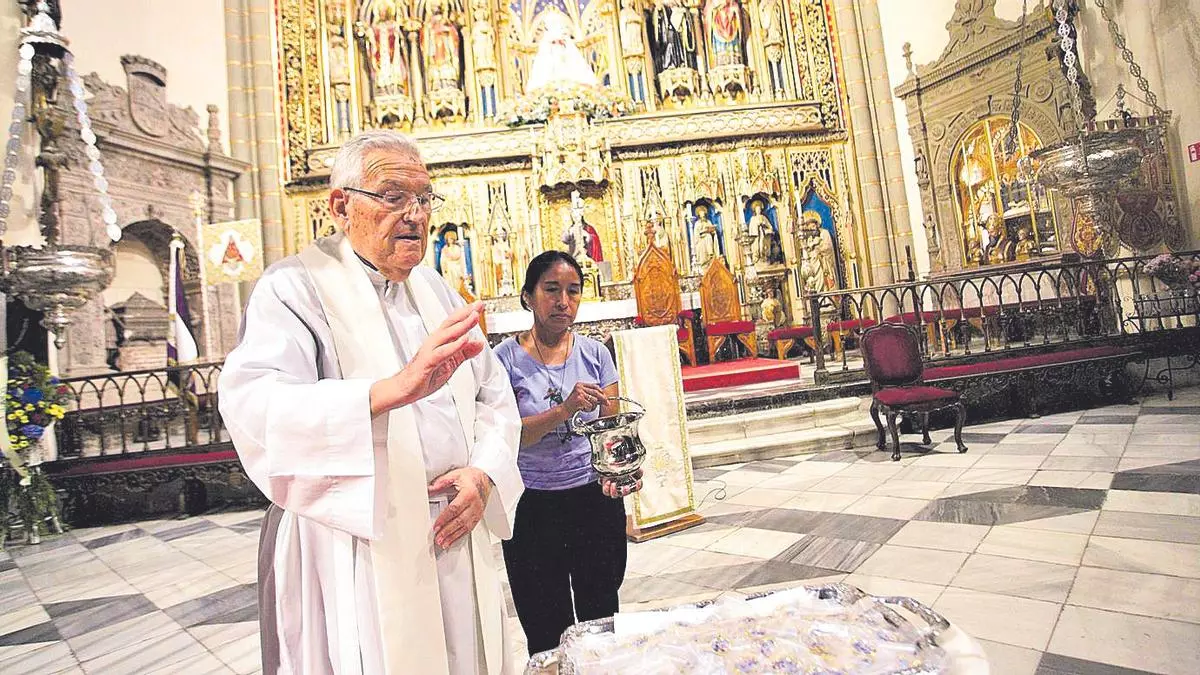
{"x": 552, "y": 463}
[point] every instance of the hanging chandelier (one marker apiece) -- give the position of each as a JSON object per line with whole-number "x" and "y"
{"x": 1102, "y": 159}
{"x": 56, "y": 279}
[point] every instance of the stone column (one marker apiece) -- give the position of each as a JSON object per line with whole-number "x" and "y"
{"x": 253, "y": 127}
{"x": 887, "y": 136}
{"x": 868, "y": 158}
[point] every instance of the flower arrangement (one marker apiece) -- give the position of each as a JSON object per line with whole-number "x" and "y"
{"x": 1173, "y": 271}
{"x": 594, "y": 102}
{"x": 33, "y": 401}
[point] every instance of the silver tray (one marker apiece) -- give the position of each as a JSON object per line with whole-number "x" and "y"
{"x": 547, "y": 662}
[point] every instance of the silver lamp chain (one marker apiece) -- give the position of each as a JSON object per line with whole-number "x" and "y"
{"x": 107, "y": 213}
{"x": 1013, "y": 142}
{"x": 1067, "y": 44}
{"x": 12, "y": 150}
{"x": 1134, "y": 69}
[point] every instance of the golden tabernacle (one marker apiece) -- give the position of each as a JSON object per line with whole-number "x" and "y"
{"x": 717, "y": 130}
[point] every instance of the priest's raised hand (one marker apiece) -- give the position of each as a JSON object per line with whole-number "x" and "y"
{"x": 440, "y": 355}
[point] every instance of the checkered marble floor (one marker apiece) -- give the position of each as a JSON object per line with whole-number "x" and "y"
{"x": 1068, "y": 544}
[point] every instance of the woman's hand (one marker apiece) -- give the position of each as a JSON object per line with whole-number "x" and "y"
{"x": 610, "y": 489}
{"x": 585, "y": 396}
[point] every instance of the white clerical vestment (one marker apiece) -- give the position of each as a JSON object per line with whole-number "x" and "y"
{"x": 349, "y": 581}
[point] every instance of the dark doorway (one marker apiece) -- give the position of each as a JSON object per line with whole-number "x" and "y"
{"x": 25, "y": 332}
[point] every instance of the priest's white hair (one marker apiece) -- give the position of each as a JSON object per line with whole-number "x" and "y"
{"x": 347, "y": 168}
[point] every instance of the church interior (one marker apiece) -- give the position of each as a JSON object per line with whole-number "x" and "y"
{"x": 857, "y": 224}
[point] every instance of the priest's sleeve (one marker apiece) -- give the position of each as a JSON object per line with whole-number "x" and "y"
{"x": 304, "y": 438}
{"x": 497, "y": 437}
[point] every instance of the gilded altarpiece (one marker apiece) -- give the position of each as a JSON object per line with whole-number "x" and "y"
{"x": 563, "y": 135}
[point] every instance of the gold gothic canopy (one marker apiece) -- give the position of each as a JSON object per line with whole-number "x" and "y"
{"x": 593, "y": 126}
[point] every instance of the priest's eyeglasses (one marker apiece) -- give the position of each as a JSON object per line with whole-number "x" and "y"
{"x": 403, "y": 201}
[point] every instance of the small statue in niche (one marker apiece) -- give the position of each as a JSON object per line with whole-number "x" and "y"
{"x": 725, "y": 31}
{"x": 771, "y": 309}
{"x": 339, "y": 69}
{"x": 483, "y": 52}
{"x": 386, "y": 50}
{"x": 1025, "y": 247}
{"x": 452, "y": 259}
{"x": 818, "y": 265}
{"x": 582, "y": 240}
{"x": 502, "y": 260}
{"x": 767, "y": 249}
{"x": 558, "y": 59}
{"x": 440, "y": 45}
{"x": 774, "y": 43}
{"x": 706, "y": 239}
{"x": 673, "y": 33}
{"x": 633, "y": 48}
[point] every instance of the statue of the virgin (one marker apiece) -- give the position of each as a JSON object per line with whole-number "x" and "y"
{"x": 558, "y": 60}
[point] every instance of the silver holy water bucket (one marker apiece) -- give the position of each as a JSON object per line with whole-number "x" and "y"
{"x": 617, "y": 451}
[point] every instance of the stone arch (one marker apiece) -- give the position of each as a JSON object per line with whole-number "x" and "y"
{"x": 156, "y": 235}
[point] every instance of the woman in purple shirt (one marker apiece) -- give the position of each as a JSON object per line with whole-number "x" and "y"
{"x": 566, "y": 559}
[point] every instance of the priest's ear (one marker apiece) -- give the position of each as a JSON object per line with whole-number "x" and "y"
{"x": 339, "y": 207}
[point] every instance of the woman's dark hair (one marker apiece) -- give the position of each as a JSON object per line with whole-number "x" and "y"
{"x": 537, "y": 269}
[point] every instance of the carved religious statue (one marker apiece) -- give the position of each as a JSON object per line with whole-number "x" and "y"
{"x": 440, "y": 45}
{"x": 766, "y": 240}
{"x": 582, "y": 240}
{"x": 771, "y": 309}
{"x": 483, "y": 55}
{"x": 387, "y": 53}
{"x": 774, "y": 31}
{"x": 673, "y": 33}
{"x": 340, "y": 77}
{"x": 558, "y": 59}
{"x": 633, "y": 48}
{"x": 502, "y": 260}
{"x": 1025, "y": 246}
{"x": 818, "y": 257}
{"x": 705, "y": 240}
{"x": 452, "y": 262}
{"x": 725, "y": 32}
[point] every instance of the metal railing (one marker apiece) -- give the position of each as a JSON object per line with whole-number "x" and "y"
{"x": 1005, "y": 309}
{"x": 139, "y": 411}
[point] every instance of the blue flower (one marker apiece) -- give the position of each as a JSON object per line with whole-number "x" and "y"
{"x": 32, "y": 431}
{"x": 32, "y": 395}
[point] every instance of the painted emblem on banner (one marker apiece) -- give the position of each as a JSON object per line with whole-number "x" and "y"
{"x": 232, "y": 251}
{"x": 148, "y": 104}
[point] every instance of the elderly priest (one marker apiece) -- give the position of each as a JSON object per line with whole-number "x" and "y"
{"x": 364, "y": 402}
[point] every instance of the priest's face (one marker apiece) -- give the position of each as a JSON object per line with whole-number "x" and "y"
{"x": 390, "y": 236}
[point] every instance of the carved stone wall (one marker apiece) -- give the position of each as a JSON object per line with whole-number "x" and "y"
{"x": 973, "y": 80}
{"x": 155, "y": 158}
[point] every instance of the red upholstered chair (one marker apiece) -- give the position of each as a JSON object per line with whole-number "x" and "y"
{"x": 721, "y": 310}
{"x": 892, "y": 353}
{"x": 839, "y": 330}
{"x": 785, "y": 338}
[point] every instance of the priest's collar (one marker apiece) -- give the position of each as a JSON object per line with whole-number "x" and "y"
{"x": 373, "y": 273}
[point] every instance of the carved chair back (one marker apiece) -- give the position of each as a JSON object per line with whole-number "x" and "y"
{"x": 656, "y": 288}
{"x": 892, "y": 355}
{"x": 718, "y": 294}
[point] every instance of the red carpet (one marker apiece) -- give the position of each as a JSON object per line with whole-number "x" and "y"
{"x": 733, "y": 373}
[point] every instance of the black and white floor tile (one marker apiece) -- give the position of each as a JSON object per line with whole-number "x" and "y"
{"x": 1067, "y": 545}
